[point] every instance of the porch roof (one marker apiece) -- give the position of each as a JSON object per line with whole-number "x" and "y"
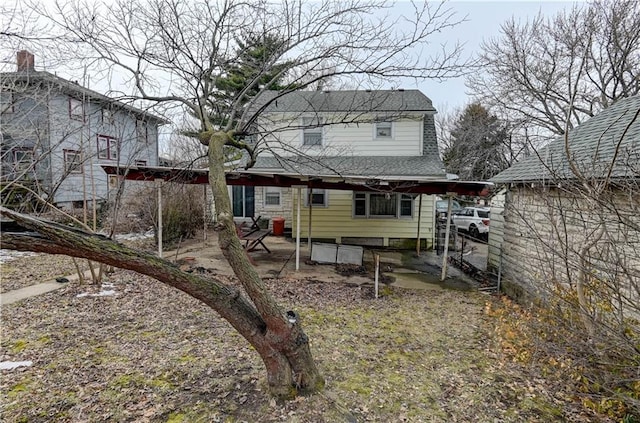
{"x": 414, "y": 184}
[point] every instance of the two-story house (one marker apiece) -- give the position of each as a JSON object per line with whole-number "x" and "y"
{"x": 357, "y": 136}
{"x": 56, "y": 134}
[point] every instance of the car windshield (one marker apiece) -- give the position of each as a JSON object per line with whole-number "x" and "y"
{"x": 442, "y": 204}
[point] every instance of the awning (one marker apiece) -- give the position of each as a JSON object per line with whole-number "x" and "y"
{"x": 276, "y": 178}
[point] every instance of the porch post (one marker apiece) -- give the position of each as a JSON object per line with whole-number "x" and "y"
{"x": 419, "y": 219}
{"x": 299, "y": 195}
{"x": 159, "y": 189}
{"x": 310, "y": 203}
{"x": 446, "y": 241}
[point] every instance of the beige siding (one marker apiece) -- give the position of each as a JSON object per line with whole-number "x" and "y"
{"x": 336, "y": 221}
{"x": 545, "y": 234}
{"x": 496, "y": 232}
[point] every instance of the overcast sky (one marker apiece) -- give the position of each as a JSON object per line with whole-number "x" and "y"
{"x": 483, "y": 21}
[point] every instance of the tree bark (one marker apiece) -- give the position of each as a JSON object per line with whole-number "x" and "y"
{"x": 277, "y": 336}
{"x": 283, "y": 347}
{"x": 286, "y": 353}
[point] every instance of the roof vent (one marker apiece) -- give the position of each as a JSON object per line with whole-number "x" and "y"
{"x": 400, "y": 89}
{"x": 367, "y": 90}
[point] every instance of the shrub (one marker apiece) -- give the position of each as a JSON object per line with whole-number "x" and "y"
{"x": 182, "y": 212}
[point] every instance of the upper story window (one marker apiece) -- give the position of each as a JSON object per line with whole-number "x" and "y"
{"x": 383, "y": 129}
{"x": 142, "y": 133}
{"x": 318, "y": 197}
{"x": 6, "y": 102}
{"x": 76, "y": 109}
{"x": 72, "y": 161}
{"x": 272, "y": 196}
{"x": 107, "y": 148}
{"x": 108, "y": 116}
{"x": 382, "y": 205}
{"x": 312, "y": 131}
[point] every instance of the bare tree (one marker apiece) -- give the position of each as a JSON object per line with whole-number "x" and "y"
{"x": 572, "y": 240}
{"x": 544, "y": 72}
{"x": 174, "y": 52}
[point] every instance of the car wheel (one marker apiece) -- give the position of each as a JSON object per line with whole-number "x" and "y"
{"x": 473, "y": 231}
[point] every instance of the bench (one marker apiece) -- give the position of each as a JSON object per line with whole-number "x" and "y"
{"x": 254, "y": 239}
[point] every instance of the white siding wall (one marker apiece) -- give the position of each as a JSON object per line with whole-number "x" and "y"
{"x": 356, "y": 139}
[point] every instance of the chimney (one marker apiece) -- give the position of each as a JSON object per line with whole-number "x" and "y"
{"x": 25, "y": 61}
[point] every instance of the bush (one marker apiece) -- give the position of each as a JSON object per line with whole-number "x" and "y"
{"x": 182, "y": 212}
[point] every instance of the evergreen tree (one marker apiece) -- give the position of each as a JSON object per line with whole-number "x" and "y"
{"x": 479, "y": 144}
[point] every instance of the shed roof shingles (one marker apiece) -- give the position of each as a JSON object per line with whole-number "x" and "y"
{"x": 613, "y": 136}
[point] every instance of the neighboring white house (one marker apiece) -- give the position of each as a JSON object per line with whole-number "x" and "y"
{"x": 355, "y": 136}
{"x": 563, "y": 220}
{"x": 56, "y": 134}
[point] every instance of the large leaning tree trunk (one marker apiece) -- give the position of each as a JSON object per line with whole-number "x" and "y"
{"x": 216, "y": 67}
{"x": 280, "y": 341}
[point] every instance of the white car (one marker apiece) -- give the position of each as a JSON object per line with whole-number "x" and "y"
{"x": 474, "y": 220}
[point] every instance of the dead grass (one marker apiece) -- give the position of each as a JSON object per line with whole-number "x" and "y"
{"x": 153, "y": 354}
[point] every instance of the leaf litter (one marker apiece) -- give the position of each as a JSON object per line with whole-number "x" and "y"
{"x": 154, "y": 354}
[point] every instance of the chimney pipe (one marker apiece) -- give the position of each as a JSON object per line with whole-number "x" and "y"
{"x": 25, "y": 61}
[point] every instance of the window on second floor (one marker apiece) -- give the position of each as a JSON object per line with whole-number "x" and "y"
{"x": 272, "y": 196}
{"x": 72, "y": 161}
{"x": 383, "y": 129}
{"x": 319, "y": 197}
{"x": 76, "y": 109}
{"x": 382, "y": 205}
{"x": 142, "y": 133}
{"x": 312, "y": 131}
{"x": 108, "y": 116}
{"x": 107, "y": 148}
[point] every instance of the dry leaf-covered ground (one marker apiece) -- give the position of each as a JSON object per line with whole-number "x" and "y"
{"x": 152, "y": 354}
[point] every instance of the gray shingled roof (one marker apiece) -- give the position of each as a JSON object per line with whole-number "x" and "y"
{"x": 347, "y": 101}
{"x": 75, "y": 90}
{"x": 369, "y": 166}
{"x": 613, "y": 136}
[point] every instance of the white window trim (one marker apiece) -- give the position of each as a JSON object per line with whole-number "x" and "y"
{"x": 68, "y": 163}
{"x": 391, "y": 127}
{"x": 325, "y": 193}
{"x": 275, "y": 190}
{"x": 368, "y": 215}
{"x": 74, "y": 105}
{"x": 312, "y": 130}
